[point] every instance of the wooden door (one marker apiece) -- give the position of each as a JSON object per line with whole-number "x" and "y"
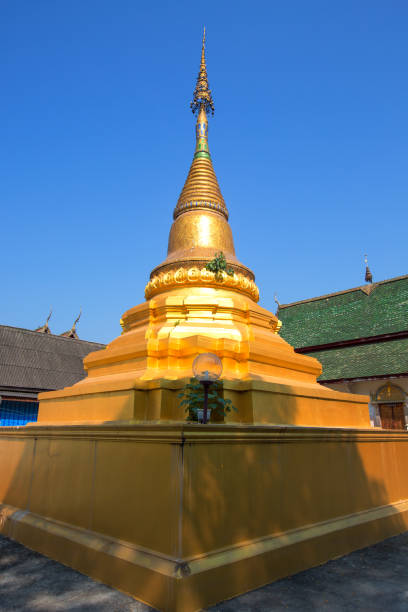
{"x": 392, "y": 416}
{"x": 398, "y": 416}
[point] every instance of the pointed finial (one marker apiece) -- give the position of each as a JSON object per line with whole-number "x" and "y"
{"x": 203, "y": 49}
{"x": 72, "y": 332}
{"x": 368, "y": 276}
{"x": 49, "y": 317}
{"x": 44, "y": 329}
{"x": 202, "y": 98}
{"x": 275, "y": 299}
{"x": 77, "y": 319}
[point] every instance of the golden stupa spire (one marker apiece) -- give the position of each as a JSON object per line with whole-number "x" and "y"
{"x": 200, "y": 229}
{"x": 201, "y": 189}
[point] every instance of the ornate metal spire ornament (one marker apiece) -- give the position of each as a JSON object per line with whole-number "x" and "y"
{"x": 202, "y": 97}
{"x": 368, "y": 276}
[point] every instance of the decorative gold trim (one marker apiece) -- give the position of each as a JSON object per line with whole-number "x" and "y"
{"x": 187, "y": 277}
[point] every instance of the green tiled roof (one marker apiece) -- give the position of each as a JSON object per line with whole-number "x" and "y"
{"x": 347, "y": 315}
{"x": 359, "y": 361}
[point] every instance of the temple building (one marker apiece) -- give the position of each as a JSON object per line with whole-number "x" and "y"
{"x": 360, "y": 336}
{"x": 36, "y": 361}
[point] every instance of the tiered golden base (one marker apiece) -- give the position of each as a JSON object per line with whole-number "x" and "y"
{"x": 140, "y": 373}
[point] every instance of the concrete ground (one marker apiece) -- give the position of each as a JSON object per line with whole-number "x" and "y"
{"x": 374, "y": 578}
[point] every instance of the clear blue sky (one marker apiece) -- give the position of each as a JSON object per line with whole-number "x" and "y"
{"x": 309, "y": 143}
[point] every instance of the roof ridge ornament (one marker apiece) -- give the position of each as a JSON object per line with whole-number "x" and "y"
{"x": 44, "y": 329}
{"x": 72, "y": 332}
{"x": 368, "y": 276}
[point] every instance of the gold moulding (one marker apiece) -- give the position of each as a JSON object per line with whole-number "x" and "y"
{"x": 184, "y": 277}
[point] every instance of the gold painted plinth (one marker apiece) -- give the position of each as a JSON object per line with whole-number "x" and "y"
{"x": 255, "y": 402}
{"x": 183, "y": 516}
{"x": 140, "y": 373}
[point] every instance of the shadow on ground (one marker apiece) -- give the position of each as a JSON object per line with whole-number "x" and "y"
{"x": 31, "y": 582}
{"x": 375, "y": 578}
{"x": 371, "y": 579}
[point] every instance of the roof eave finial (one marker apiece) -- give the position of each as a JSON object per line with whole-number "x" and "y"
{"x": 49, "y": 317}
{"x": 368, "y": 276}
{"x": 277, "y": 302}
{"x": 202, "y": 98}
{"x": 72, "y": 332}
{"x": 44, "y": 329}
{"x": 76, "y": 320}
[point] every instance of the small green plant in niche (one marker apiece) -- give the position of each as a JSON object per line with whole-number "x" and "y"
{"x": 218, "y": 265}
{"x": 192, "y": 399}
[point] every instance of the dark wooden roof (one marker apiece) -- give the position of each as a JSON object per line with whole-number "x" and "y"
{"x": 35, "y": 361}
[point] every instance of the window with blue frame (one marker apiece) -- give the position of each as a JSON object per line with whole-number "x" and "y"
{"x": 14, "y": 412}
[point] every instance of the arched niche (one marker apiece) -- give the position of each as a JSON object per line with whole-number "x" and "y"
{"x": 391, "y": 406}
{"x": 390, "y": 393}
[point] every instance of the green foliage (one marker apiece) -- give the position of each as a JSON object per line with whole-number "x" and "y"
{"x": 192, "y": 398}
{"x": 218, "y": 265}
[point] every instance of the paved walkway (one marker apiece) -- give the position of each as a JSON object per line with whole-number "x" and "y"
{"x": 375, "y": 578}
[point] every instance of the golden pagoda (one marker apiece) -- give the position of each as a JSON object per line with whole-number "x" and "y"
{"x": 114, "y": 482}
{"x": 193, "y": 307}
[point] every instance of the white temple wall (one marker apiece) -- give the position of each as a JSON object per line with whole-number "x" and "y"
{"x": 371, "y": 388}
